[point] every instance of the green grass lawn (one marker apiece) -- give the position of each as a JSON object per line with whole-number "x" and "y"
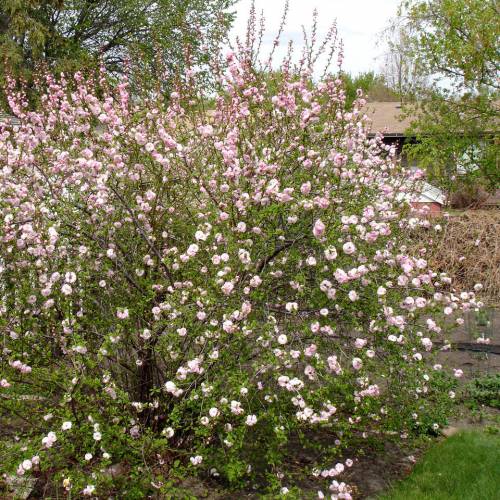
{"x": 465, "y": 466}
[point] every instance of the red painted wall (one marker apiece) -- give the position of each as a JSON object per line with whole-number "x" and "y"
{"x": 431, "y": 208}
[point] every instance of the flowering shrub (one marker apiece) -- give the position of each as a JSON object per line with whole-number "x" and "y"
{"x": 185, "y": 290}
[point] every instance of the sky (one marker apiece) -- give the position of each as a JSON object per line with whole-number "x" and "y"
{"x": 359, "y": 22}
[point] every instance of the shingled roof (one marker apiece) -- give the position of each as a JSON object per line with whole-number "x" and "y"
{"x": 386, "y": 118}
{"x": 6, "y": 119}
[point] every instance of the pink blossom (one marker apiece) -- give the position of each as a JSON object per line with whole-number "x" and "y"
{"x": 282, "y": 339}
{"x": 357, "y": 363}
{"x": 251, "y": 420}
{"x": 227, "y": 287}
{"x": 349, "y": 248}
{"x": 192, "y": 250}
{"x": 360, "y": 343}
{"x": 318, "y": 229}
{"x": 122, "y": 314}
{"x": 49, "y": 440}
{"x": 331, "y": 253}
{"x": 306, "y": 189}
{"x": 341, "y": 276}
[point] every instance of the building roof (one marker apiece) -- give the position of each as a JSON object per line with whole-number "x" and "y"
{"x": 429, "y": 194}
{"x": 422, "y": 192}
{"x": 6, "y": 119}
{"x": 385, "y": 117}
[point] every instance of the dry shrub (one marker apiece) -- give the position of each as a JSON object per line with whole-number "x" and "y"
{"x": 468, "y": 249}
{"x": 469, "y": 196}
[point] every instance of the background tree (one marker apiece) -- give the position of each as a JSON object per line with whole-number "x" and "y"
{"x": 400, "y": 70}
{"x": 374, "y": 86}
{"x": 454, "y": 44}
{"x": 69, "y": 34}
